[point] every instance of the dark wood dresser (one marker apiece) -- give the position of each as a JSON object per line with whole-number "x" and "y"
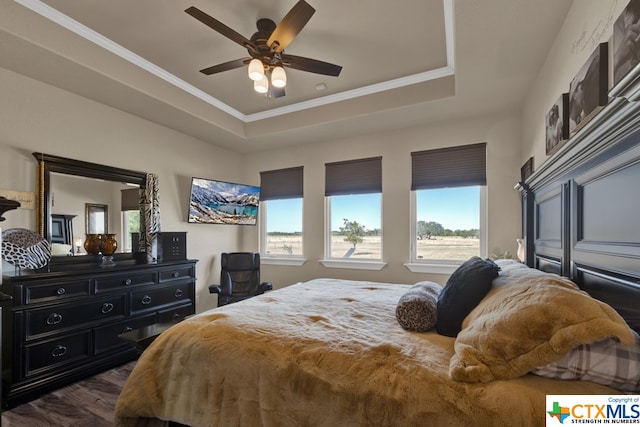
{"x": 62, "y": 326}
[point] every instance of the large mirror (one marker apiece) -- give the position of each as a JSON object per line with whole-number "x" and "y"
{"x": 92, "y": 195}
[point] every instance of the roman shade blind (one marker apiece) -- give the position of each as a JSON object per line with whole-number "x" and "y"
{"x": 460, "y": 166}
{"x": 130, "y": 199}
{"x": 353, "y": 177}
{"x": 281, "y": 184}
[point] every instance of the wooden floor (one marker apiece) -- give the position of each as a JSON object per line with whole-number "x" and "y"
{"x": 89, "y": 402}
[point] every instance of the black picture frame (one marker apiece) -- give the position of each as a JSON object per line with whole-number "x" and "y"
{"x": 557, "y": 124}
{"x": 526, "y": 170}
{"x": 588, "y": 89}
{"x": 626, "y": 41}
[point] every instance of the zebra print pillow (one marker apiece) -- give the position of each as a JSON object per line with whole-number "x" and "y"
{"x": 25, "y": 249}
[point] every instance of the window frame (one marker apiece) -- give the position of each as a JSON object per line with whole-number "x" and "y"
{"x": 350, "y": 263}
{"x": 442, "y": 266}
{"x": 277, "y": 259}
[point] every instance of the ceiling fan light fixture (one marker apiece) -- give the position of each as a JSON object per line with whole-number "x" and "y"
{"x": 278, "y": 77}
{"x": 261, "y": 86}
{"x": 256, "y": 70}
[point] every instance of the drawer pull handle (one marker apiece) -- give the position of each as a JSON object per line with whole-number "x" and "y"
{"x": 177, "y": 293}
{"x": 106, "y": 307}
{"x": 128, "y": 282}
{"x": 54, "y": 319}
{"x": 59, "y": 351}
{"x": 175, "y": 317}
{"x": 61, "y": 291}
{"x": 175, "y": 274}
{"x": 146, "y": 300}
{"x": 127, "y": 329}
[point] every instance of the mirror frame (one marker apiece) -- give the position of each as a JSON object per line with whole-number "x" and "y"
{"x": 48, "y": 163}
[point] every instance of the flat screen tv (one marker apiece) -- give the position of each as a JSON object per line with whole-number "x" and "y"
{"x": 220, "y": 202}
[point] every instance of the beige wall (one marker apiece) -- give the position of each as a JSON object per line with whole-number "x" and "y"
{"x": 39, "y": 117}
{"x": 502, "y": 136}
{"x": 588, "y": 23}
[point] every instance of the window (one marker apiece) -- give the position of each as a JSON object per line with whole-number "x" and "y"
{"x": 129, "y": 205}
{"x": 353, "y": 201}
{"x": 283, "y": 227}
{"x": 281, "y": 196}
{"x": 448, "y": 204}
{"x": 130, "y": 224}
{"x": 355, "y": 226}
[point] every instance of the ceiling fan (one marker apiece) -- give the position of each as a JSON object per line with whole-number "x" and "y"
{"x": 266, "y": 49}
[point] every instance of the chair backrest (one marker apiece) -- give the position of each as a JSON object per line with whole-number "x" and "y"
{"x": 240, "y": 273}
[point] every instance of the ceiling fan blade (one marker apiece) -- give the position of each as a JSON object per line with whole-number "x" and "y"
{"x": 290, "y": 26}
{"x": 231, "y": 65}
{"x": 311, "y": 65}
{"x": 220, "y": 27}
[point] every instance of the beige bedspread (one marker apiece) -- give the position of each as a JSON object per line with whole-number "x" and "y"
{"x": 321, "y": 353}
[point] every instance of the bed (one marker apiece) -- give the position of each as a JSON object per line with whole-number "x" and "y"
{"x": 332, "y": 352}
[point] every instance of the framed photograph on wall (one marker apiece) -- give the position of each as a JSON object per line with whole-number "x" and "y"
{"x": 588, "y": 89}
{"x": 526, "y": 170}
{"x": 626, "y": 41}
{"x": 557, "y": 124}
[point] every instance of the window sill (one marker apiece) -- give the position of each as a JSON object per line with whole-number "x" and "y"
{"x": 288, "y": 261}
{"x": 355, "y": 265}
{"x": 431, "y": 268}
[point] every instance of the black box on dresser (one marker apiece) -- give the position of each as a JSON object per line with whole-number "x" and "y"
{"x": 63, "y": 326}
{"x": 172, "y": 245}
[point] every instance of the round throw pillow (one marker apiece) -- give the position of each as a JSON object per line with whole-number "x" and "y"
{"x": 417, "y": 308}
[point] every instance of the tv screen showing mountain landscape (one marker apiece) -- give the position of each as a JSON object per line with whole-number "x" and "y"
{"x": 219, "y": 202}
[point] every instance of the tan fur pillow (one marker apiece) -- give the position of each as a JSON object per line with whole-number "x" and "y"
{"x": 529, "y": 319}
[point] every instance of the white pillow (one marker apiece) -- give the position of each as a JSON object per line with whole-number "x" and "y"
{"x": 604, "y": 362}
{"x": 60, "y": 249}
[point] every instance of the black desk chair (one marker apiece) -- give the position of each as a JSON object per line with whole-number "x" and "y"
{"x": 239, "y": 278}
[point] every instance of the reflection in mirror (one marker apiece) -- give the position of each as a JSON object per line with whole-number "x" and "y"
{"x": 96, "y": 218}
{"x": 66, "y": 186}
{"x": 84, "y": 198}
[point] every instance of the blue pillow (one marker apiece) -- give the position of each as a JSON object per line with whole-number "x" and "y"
{"x": 466, "y": 287}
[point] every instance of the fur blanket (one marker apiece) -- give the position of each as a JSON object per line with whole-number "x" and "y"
{"x": 321, "y": 353}
{"x": 530, "y": 319}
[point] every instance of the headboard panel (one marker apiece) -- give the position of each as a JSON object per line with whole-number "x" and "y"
{"x": 585, "y": 201}
{"x": 620, "y": 292}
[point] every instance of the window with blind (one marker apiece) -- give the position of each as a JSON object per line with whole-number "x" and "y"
{"x": 448, "y": 197}
{"x": 281, "y": 196}
{"x": 130, "y": 207}
{"x": 353, "y": 203}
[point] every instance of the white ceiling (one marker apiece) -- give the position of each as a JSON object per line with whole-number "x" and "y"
{"x": 404, "y": 63}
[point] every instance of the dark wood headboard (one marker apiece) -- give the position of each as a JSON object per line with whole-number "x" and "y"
{"x": 581, "y": 208}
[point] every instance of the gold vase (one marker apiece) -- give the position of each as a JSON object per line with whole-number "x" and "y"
{"x": 92, "y": 244}
{"x": 109, "y": 244}
{"x": 108, "y": 247}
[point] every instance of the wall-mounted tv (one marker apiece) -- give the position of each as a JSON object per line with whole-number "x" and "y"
{"x": 220, "y": 202}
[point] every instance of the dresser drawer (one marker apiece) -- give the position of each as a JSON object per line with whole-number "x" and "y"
{"x": 106, "y": 337}
{"x": 55, "y": 319}
{"x": 55, "y": 353}
{"x": 176, "y": 314}
{"x": 56, "y": 291}
{"x": 108, "y": 283}
{"x": 179, "y": 272}
{"x": 160, "y": 297}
